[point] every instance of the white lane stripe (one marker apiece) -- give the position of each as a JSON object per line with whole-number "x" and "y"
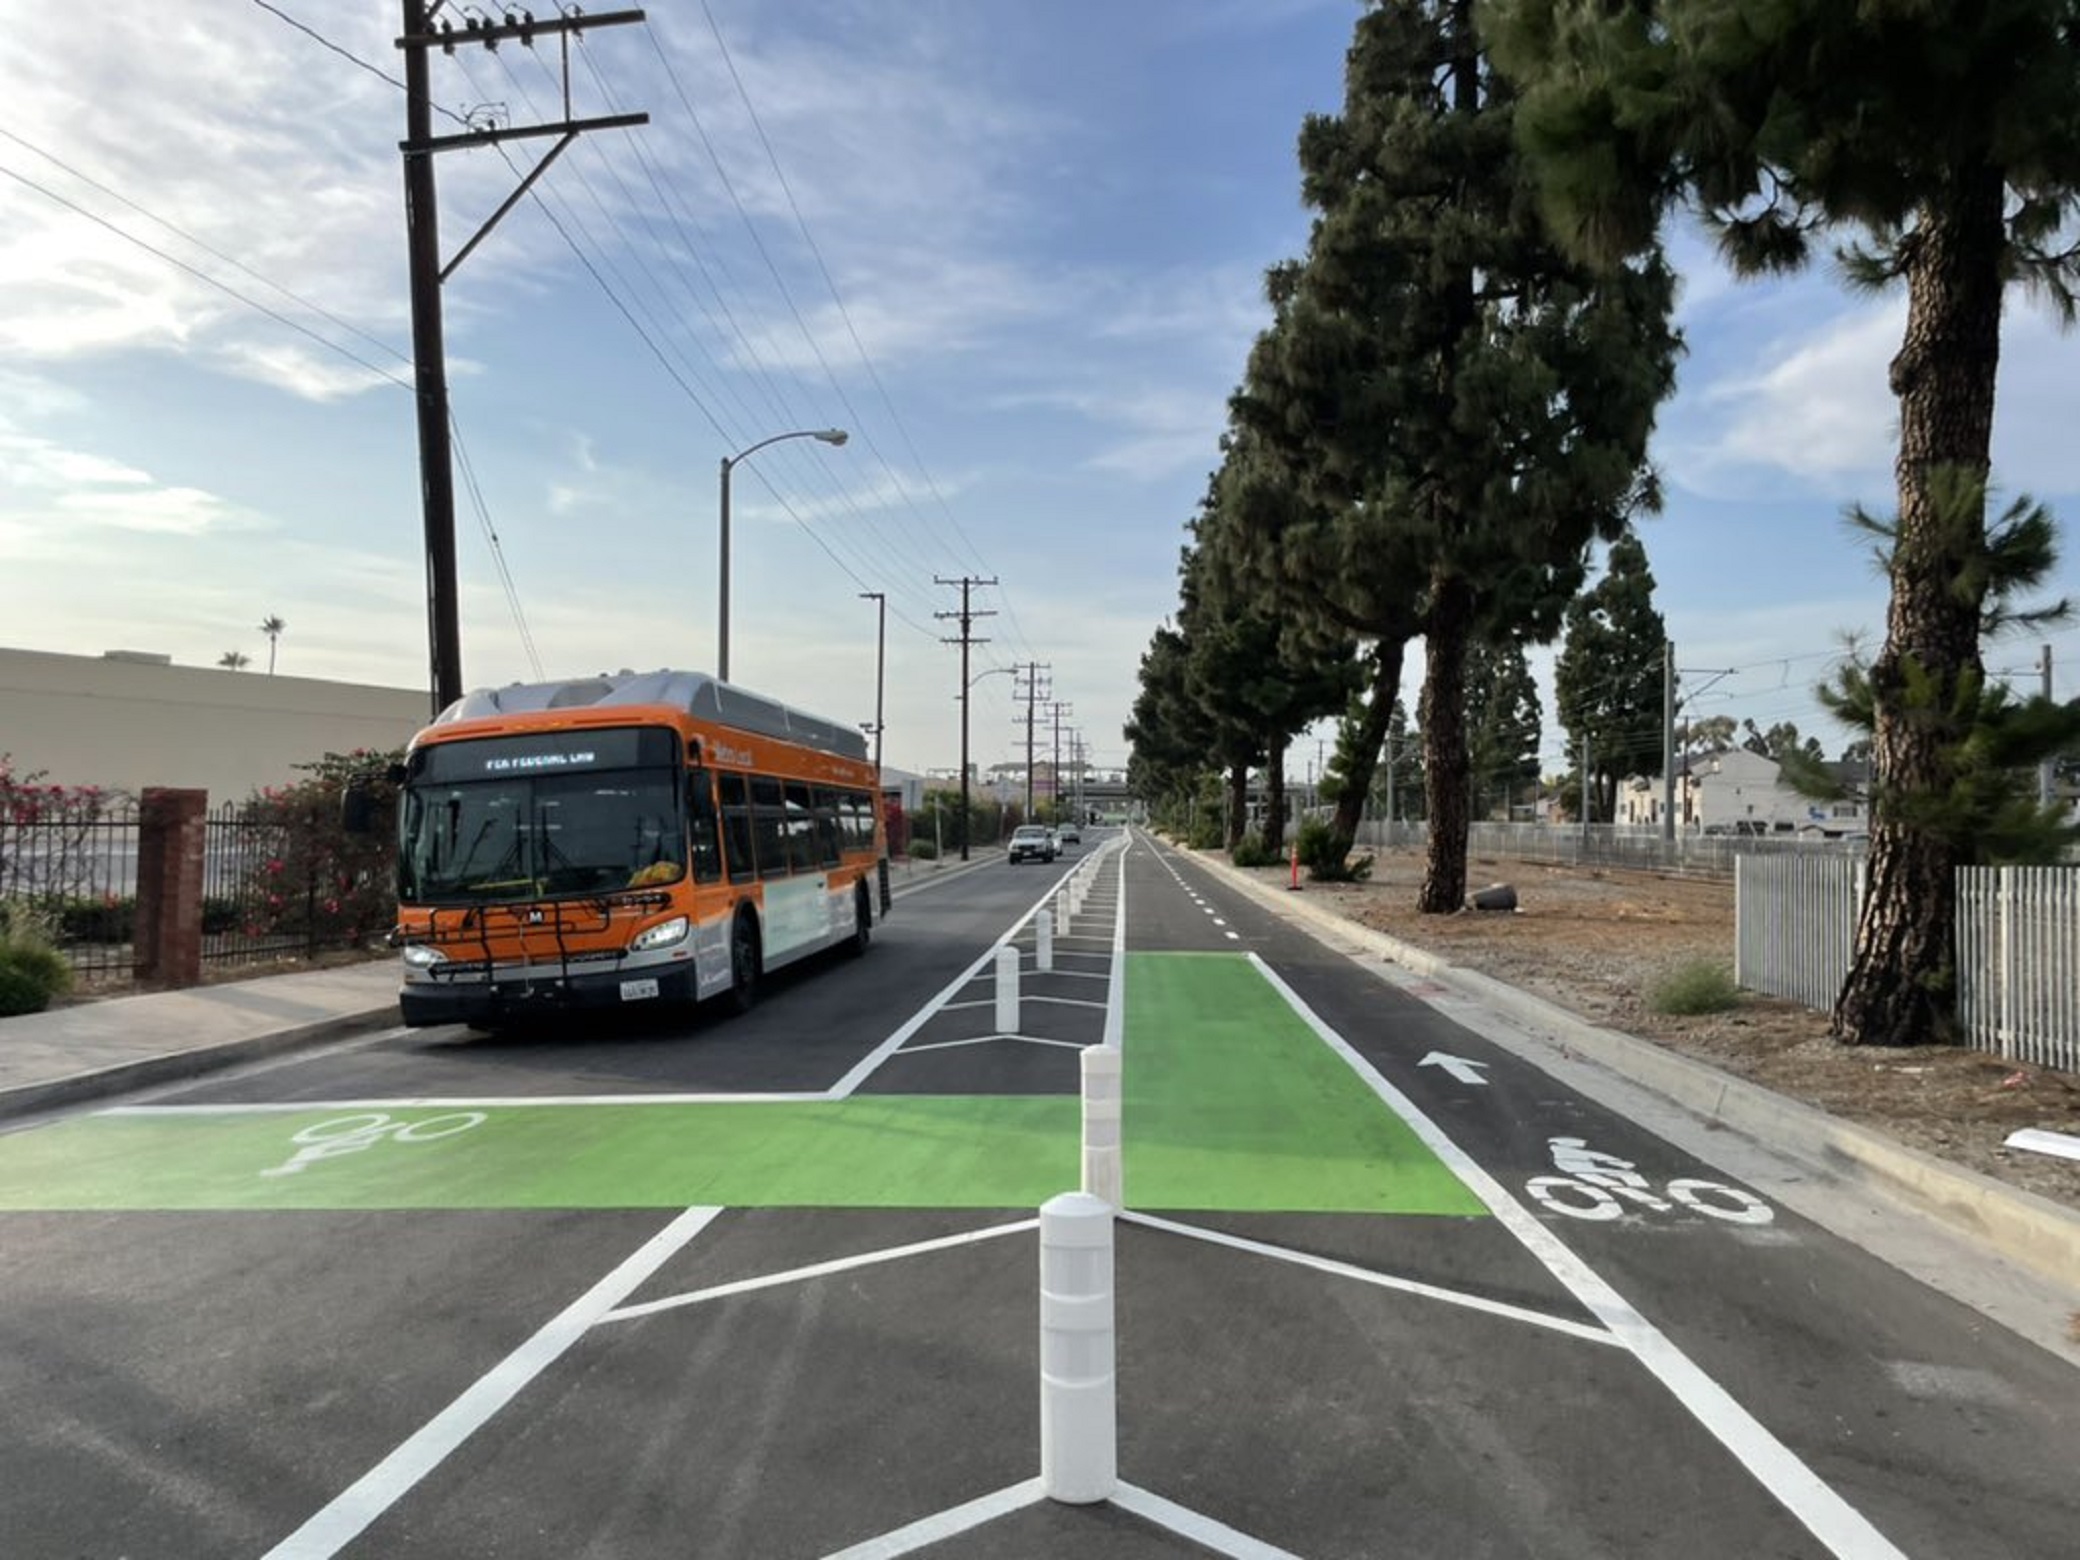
{"x": 1514, "y": 1313}
{"x": 954, "y": 1045}
{"x": 1082, "y": 1002}
{"x": 1204, "y": 1530}
{"x": 745, "y": 1286}
{"x": 459, "y": 1102}
{"x": 375, "y": 1492}
{"x": 946, "y": 1524}
{"x": 863, "y": 1069}
{"x": 1826, "y": 1515}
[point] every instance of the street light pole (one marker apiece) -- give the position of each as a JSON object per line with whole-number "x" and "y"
{"x": 880, "y": 600}
{"x": 832, "y": 436}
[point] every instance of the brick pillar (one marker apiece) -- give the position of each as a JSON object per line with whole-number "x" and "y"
{"x": 170, "y": 827}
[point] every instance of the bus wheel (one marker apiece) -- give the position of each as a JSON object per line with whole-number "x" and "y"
{"x": 862, "y": 923}
{"x": 743, "y": 963}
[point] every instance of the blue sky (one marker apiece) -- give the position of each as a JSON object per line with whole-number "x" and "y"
{"x": 1014, "y": 249}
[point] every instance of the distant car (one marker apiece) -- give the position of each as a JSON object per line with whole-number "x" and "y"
{"x": 1031, "y": 841}
{"x": 1068, "y": 833}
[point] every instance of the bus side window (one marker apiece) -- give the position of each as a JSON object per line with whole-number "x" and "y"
{"x": 736, "y": 828}
{"x": 769, "y": 820}
{"x": 829, "y": 847}
{"x": 801, "y": 828}
{"x": 700, "y": 825}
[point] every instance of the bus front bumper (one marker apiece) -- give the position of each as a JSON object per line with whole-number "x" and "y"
{"x": 513, "y": 997}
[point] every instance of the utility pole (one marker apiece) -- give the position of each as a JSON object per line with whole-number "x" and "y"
{"x": 1032, "y": 693}
{"x": 967, "y": 641}
{"x": 880, "y": 599}
{"x": 2047, "y": 776}
{"x": 1668, "y": 741}
{"x": 423, "y": 247}
{"x": 1588, "y": 808}
{"x": 1054, "y": 777}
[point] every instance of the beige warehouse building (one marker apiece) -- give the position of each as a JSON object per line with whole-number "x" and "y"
{"x": 125, "y": 720}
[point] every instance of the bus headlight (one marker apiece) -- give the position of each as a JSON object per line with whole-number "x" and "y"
{"x": 422, "y": 957}
{"x": 662, "y": 935}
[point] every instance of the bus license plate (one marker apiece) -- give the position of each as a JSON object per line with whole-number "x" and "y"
{"x": 636, "y": 990}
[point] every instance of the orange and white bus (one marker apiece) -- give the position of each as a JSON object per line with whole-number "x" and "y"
{"x": 637, "y": 838}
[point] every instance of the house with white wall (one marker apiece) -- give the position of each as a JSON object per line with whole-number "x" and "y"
{"x": 1741, "y": 792}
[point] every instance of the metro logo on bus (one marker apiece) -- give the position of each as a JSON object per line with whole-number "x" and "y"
{"x": 723, "y": 753}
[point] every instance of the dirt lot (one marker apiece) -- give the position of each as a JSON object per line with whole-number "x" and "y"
{"x": 1599, "y": 942}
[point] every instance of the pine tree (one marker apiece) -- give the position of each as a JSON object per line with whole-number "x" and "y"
{"x": 1469, "y": 407}
{"x": 1938, "y": 145}
{"x": 1988, "y": 814}
{"x": 1504, "y": 724}
{"x": 1608, "y": 678}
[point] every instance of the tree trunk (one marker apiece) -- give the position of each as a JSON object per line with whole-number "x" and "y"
{"x": 1238, "y": 805}
{"x": 1902, "y": 983}
{"x": 1274, "y": 831}
{"x": 1372, "y": 736}
{"x": 1444, "y": 743}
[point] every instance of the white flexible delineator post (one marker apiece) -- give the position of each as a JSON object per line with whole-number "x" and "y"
{"x": 1007, "y": 990}
{"x": 1103, "y": 1175}
{"x": 1043, "y": 942}
{"x": 1062, "y": 912}
{"x": 1079, "y": 1412}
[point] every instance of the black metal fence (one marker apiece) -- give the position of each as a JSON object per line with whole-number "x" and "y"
{"x": 262, "y": 896}
{"x": 278, "y": 881}
{"x": 68, "y": 867}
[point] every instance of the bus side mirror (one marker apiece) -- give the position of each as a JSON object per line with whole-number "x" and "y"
{"x": 357, "y": 809}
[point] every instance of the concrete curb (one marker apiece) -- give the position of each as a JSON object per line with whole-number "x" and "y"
{"x": 197, "y": 1061}
{"x": 2032, "y": 1231}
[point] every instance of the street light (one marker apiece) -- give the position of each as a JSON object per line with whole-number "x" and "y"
{"x": 831, "y": 436}
{"x": 880, "y": 600}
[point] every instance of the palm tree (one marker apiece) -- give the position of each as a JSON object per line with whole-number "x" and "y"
{"x": 272, "y": 627}
{"x": 233, "y": 660}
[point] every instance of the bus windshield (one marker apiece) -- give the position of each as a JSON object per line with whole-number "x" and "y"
{"x": 566, "y": 828}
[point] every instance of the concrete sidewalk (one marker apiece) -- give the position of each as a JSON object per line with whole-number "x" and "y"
{"x": 90, "y": 1049}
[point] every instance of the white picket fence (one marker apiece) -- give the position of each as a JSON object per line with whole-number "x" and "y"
{"x": 2018, "y": 947}
{"x": 1794, "y": 924}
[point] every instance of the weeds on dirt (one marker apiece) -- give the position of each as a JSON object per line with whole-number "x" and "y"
{"x": 1701, "y": 986}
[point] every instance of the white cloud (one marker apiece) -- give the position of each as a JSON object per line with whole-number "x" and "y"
{"x": 181, "y": 511}
{"x": 1813, "y": 406}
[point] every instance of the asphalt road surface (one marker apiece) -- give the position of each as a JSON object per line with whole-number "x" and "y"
{"x": 766, "y": 1286}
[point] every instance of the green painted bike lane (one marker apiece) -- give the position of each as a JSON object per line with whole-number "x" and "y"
{"x": 1231, "y": 1103}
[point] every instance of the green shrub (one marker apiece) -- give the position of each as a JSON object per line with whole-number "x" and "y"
{"x": 31, "y": 970}
{"x": 20, "y": 992}
{"x": 1700, "y": 986}
{"x": 1253, "y": 852}
{"x": 923, "y": 850}
{"x": 109, "y": 920}
{"x": 1204, "y": 833}
{"x": 1328, "y": 858}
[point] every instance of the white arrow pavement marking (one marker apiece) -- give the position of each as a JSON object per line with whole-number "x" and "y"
{"x": 1459, "y": 1067}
